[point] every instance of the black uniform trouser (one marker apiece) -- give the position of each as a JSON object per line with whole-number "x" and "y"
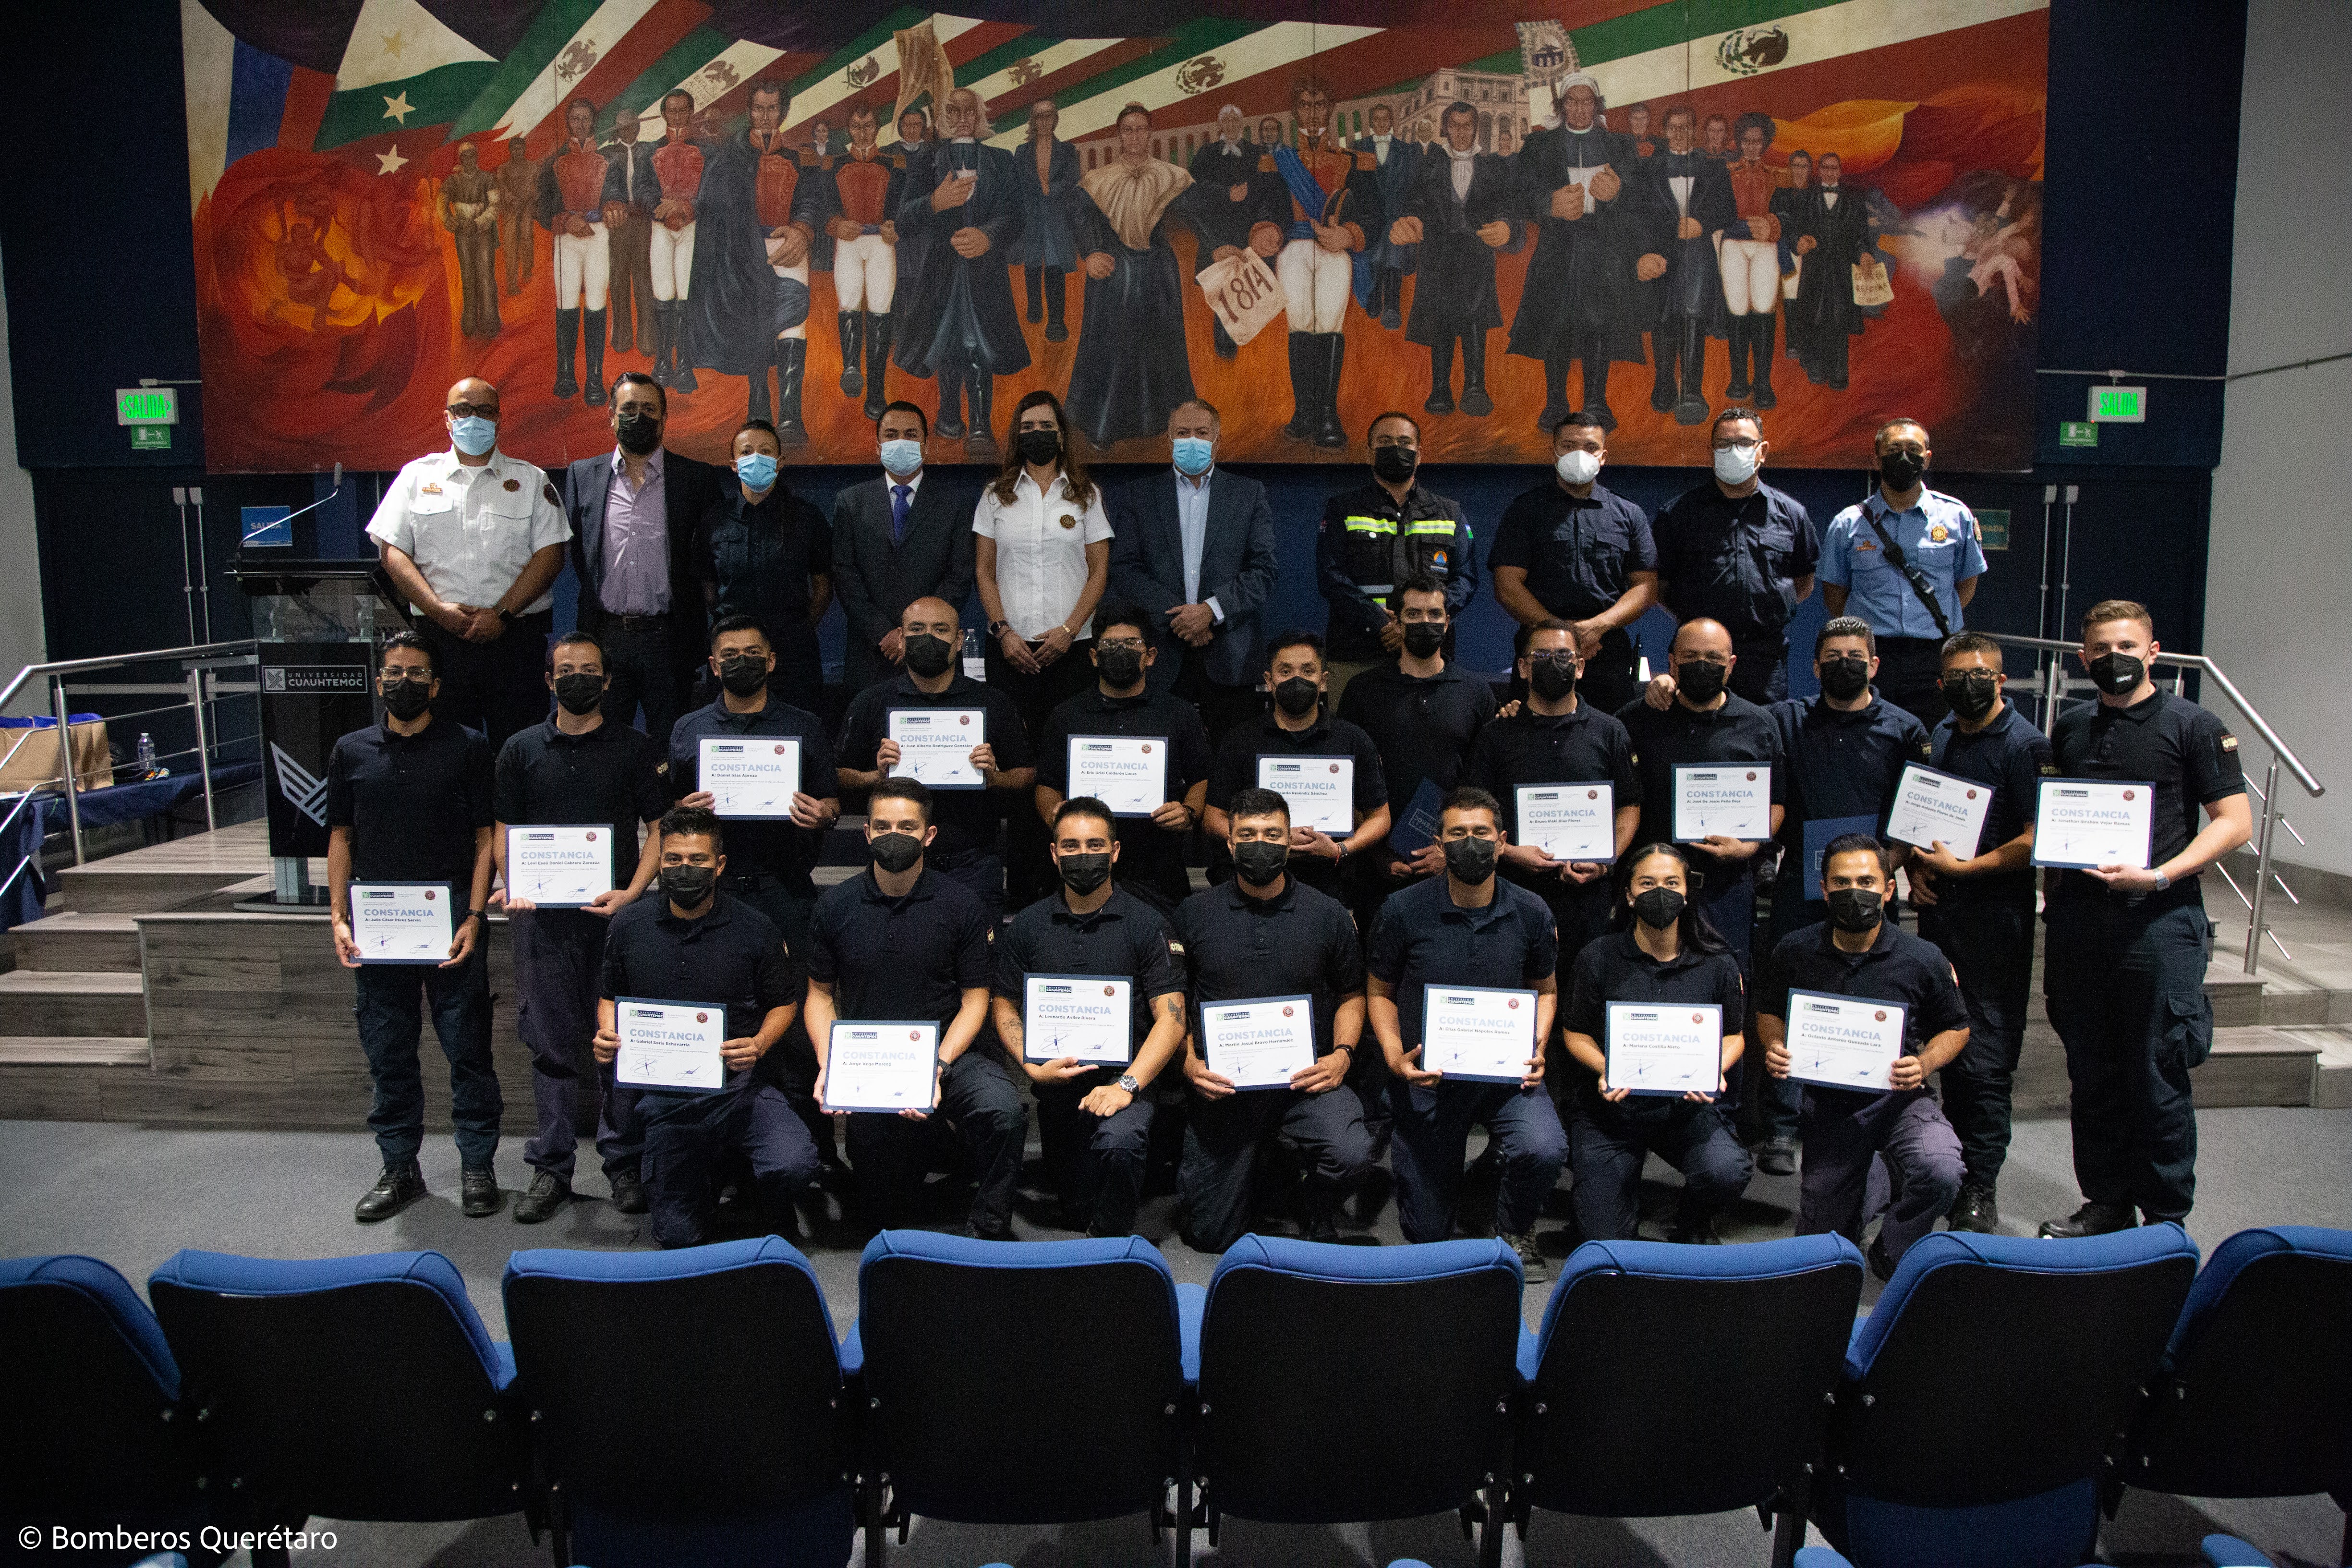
{"x": 980, "y": 872}
{"x": 1223, "y": 708}
{"x": 642, "y": 662}
{"x": 1608, "y": 1144}
{"x": 1223, "y": 1137}
{"x": 497, "y": 687}
{"x": 1760, "y": 672}
{"x": 1609, "y": 682}
{"x": 1992, "y": 948}
{"x": 1911, "y": 676}
{"x": 2125, "y": 991}
{"x": 558, "y": 959}
{"x": 979, "y": 1101}
{"x": 388, "y": 1001}
{"x": 1029, "y": 871}
{"x": 687, "y": 1136}
{"x": 789, "y": 901}
{"x": 1095, "y": 1161}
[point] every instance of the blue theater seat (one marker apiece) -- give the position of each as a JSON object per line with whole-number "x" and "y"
{"x": 1684, "y": 1380}
{"x": 976, "y": 1436}
{"x": 357, "y": 1388}
{"x": 93, "y": 1430}
{"x": 2254, "y": 1395}
{"x": 1984, "y": 1393}
{"x": 685, "y": 1406}
{"x": 1341, "y": 1384}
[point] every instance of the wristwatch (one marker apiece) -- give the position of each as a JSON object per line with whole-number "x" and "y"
{"x": 2162, "y": 882}
{"x": 476, "y": 914}
{"x": 1126, "y": 1081}
{"x": 998, "y": 628}
{"x": 506, "y": 615}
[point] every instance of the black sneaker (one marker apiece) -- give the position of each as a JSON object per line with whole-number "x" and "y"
{"x": 1880, "y": 1263}
{"x": 1974, "y": 1210}
{"x": 976, "y": 1234}
{"x": 1696, "y": 1233}
{"x": 1778, "y": 1157}
{"x": 2090, "y": 1219}
{"x": 539, "y": 1201}
{"x": 629, "y": 1193}
{"x": 1532, "y": 1262}
{"x": 479, "y": 1194}
{"x": 399, "y": 1186}
{"x": 1321, "y": 1228}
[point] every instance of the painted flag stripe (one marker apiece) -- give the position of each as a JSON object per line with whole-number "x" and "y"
{"x": 626, "y": 62}
{"x": 1153, "y": 84}
{"x": 1045, "y": 58}
{"x": 642, "y": 97}
{"x": 542, "y": 44}
{"x": 565, "y": 75}
{"x": 832, "y": 86}
{"x": 1816, "y": 33}
{"x": 734, "y": 68}
{"x": 395, "y": 41}
{"x": 1192, "y": 39}
{"x": 437, "y": 98}
{"x": 209, "y": 52}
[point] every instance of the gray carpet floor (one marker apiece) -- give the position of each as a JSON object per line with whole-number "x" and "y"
{"x": 133, "y": 1195}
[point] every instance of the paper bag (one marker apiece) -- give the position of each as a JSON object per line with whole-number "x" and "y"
{"x": 1242, "y": 293}
{"x": 28, "y": 758}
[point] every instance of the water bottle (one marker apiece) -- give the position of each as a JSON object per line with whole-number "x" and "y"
{"x": 147, "y": 768}
{"x": 975, "y": 666}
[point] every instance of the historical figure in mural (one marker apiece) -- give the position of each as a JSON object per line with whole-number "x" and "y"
{"x": 750, "y": 306}
{"x": 628, "y": 227}
{"x": 1686, "y": 202}
{"x": 1131, "y": 369}
{"x": 468, "y": 209}
{"x": 1580, "y": 302}
{"x": 1834, "y": 232}
{"x": 863, "y": 188}
{"x": 1458, "y": 215}
{"x": 1048, "y": 251}
{"x": 517, "y": 183}
{"x": 1399, "y": 162}
{"x": 572, "y": 209}
{"x": 1331, "y": 206}
{"x": 1751, "y": 265}
{"x": 1228, "y": 195}
{"x": 677, "y": 185}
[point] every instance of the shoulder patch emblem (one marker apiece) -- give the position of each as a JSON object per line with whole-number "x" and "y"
{"x": 514, "y": 484}
{"x": 547, "y": 490}
{"x": 2229, "y": 742}
{"x": 2050, "y": 772}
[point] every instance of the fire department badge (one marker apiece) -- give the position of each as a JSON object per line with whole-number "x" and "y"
{"x": 1938, "y": 532}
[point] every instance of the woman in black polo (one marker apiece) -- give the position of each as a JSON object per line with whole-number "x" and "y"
{"x": 1659, "y": 948}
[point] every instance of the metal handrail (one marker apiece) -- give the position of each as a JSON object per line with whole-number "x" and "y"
{"x": 117, "y": 660}
{"x": 2258, "y": 905}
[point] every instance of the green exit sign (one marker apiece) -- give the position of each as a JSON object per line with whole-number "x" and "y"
{"x": 146, "y": 406}
{"x": 150, "y": 438}
{"x": 2077, "y": 432}
{"x": 2119, "y": 404}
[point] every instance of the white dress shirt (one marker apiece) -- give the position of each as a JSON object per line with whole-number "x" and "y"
{"x": 471, "y": 530}
{"x": 1041, "y": 551}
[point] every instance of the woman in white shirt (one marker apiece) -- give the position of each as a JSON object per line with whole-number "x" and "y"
{"x": 1043, "y": 555}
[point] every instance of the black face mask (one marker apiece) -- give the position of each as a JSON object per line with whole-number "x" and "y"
{"x": 1901, "y": 470}
{"x": 579, "y": 694}
{"x": 1260, "y": 861}
{"x": 1423, "y": 638}
{"x": 1700, "y": 682}
{"x": 742, "y": 675}
{"x": 1852, "y": 910}
{"x": 1040, "y": 447}
{"x": 639, "y": 433}
{"x": 1297, "y": 696}
{"x": 2119, "y": 673}
{"x": 1972, "y": 696}
{"x": 895, "y": 852}
{"x": 1084, "y": 873}
{"x": 1395, "y": 464}
{"x": 689, "y": 885}
{"x": 1550, "y": 678}
{"x": 1120, "y": 667}
{"x": 404, "y": 699}
{"x": 1470, "y": 860}
{"x": 928, "y": 656}
{"x": 1845, "y": 678}
{"x": 1658, "y": 907}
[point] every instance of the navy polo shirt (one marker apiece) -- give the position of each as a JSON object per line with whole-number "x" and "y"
{"x": 1422, "y": 938}
{"x": 1896, "y": 967}
{"x": 2185, "y": 751}
{"x": 732, "y": 957}
{"x": 760, "y": 557}
{"x": 1420, "y": 725}
{"x": 910, "y": 958}
{"x": 967, "y": 818}
{"x": 1124, "y": 940}
{"x": 611, "y": 776}
{"x": 1148, "y": 855}
{"x": 1843, "y": 767}
{"x": 1236, "y": 770}
{"x": 774, "y": 846}
{"x": 413, "y": 803}
{"x": 1299, "y": 943}
{"x": 2009, "y": 756}
{"x": 1737, "y": 562}
{"x": 1577, "y": 552}
{"x": 1581, "y": 746}
{"x": 1613, "y": 968}
{"x": 1739, "y": 731}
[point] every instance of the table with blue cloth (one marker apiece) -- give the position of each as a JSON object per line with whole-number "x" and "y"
{"x": 47, "y": 813}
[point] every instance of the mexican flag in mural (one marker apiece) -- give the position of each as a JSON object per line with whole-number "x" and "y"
{"x": 1304, "y": 214}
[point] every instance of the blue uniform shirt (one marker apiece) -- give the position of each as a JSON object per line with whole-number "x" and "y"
{"x": 1423, "y": 938}
{"x": 769, "y": 845}
{"x": 1843, "y": 769}
{"x": 1939, "y": 536}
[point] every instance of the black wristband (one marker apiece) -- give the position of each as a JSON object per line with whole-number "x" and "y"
{"x": 476, "y": 914}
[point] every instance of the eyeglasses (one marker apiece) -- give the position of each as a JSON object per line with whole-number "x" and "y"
{"x": 412, "y": 677}
{"x": 1742, "y": 448}
{"x": 473, "y": 411}
{"x": 1565, "y": 657}
{"x": 1134, "y": 643}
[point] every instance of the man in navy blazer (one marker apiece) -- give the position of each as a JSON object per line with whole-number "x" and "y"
{"x": 889, "y": 550}
{"x": 1195, "y": 546}
{"x": 645, "y": 608}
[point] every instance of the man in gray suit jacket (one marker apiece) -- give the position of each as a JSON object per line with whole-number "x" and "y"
{"x": 1195, "y": 546}
{"x": 889, "y": 550}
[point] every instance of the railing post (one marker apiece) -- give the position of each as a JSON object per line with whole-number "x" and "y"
{"x": 65, "y": 761}
{"x": 2255, "y": 921}
{"x": 2053, "y": 681}
{"x": 204, "y": 743}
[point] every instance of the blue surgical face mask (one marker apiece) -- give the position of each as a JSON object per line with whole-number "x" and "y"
{"x": 902, "y": 458}
{"x": 1194, "y": 456}
{"x": 756, "y": 469}
{"x": 474, "y": 434}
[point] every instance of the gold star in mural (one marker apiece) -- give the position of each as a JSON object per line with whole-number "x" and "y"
{"x": 390, "y": 160}
{"x": 399, "y": 107}
{"x": 392, "y": 43}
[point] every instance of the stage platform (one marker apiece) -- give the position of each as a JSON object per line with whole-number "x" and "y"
{"x": 145, "y": 995}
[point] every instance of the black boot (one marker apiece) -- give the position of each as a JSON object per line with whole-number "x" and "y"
{"x": 950, "y": 421}
{"x": 758, "y": 407}
{"x": 1224, "y": 340}
{"x": 1329, "y": 432}
{"x": 659, "y": 314}
{"x": 1735, "y": 390}
{"x": 399, "y": 1186}
{"x": 792, "y": 367}
{"x": 1441, "y": 378}
{"x": 980, "y": 388}
{"x": 1555, "y": 404}
{"x": 1762, "y": 330}
{"x": 1474, "y": 401}
{"x": 593, "y": 329}
{"x": 1037, "y": 298}
{"x": 1304, "y": 363}
{"x": 852, "y": 380}
{"x": 681, "y": 352}
{"x": 1596, "y": 387}
{"x": 877, "y": 364}
{"x": 1058, "y": 287}
{"x": 1663, "y": 391}
{"x": 1690, "y": 408}
{"x": 1391, "y": 297}
{"x": 567, "y": 350}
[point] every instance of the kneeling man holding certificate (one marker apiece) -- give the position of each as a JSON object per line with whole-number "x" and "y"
{"x": 697, "y": 991}
{"x": 1463, "y": 979}
{"x": 1861, "y": 1014}
{"x": 1278, "y": 980}
{"x": 1089, "y": 1006}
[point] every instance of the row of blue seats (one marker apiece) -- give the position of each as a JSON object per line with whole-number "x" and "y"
{"x": 697, "y": 1405}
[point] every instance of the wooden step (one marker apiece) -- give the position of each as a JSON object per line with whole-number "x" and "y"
{"x": 2331, "y": 1072}
{"x": 83, "y": 1003}
{"x": 73, "y": 1050}
{"x": 71, "y": 1077}
{"x": 75, "y": 941}
{"x": 2252, "y": 1064}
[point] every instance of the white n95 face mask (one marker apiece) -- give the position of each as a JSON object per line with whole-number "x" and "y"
{"x": 1736, "y": 465}
{"x": 1577, "y": 468}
